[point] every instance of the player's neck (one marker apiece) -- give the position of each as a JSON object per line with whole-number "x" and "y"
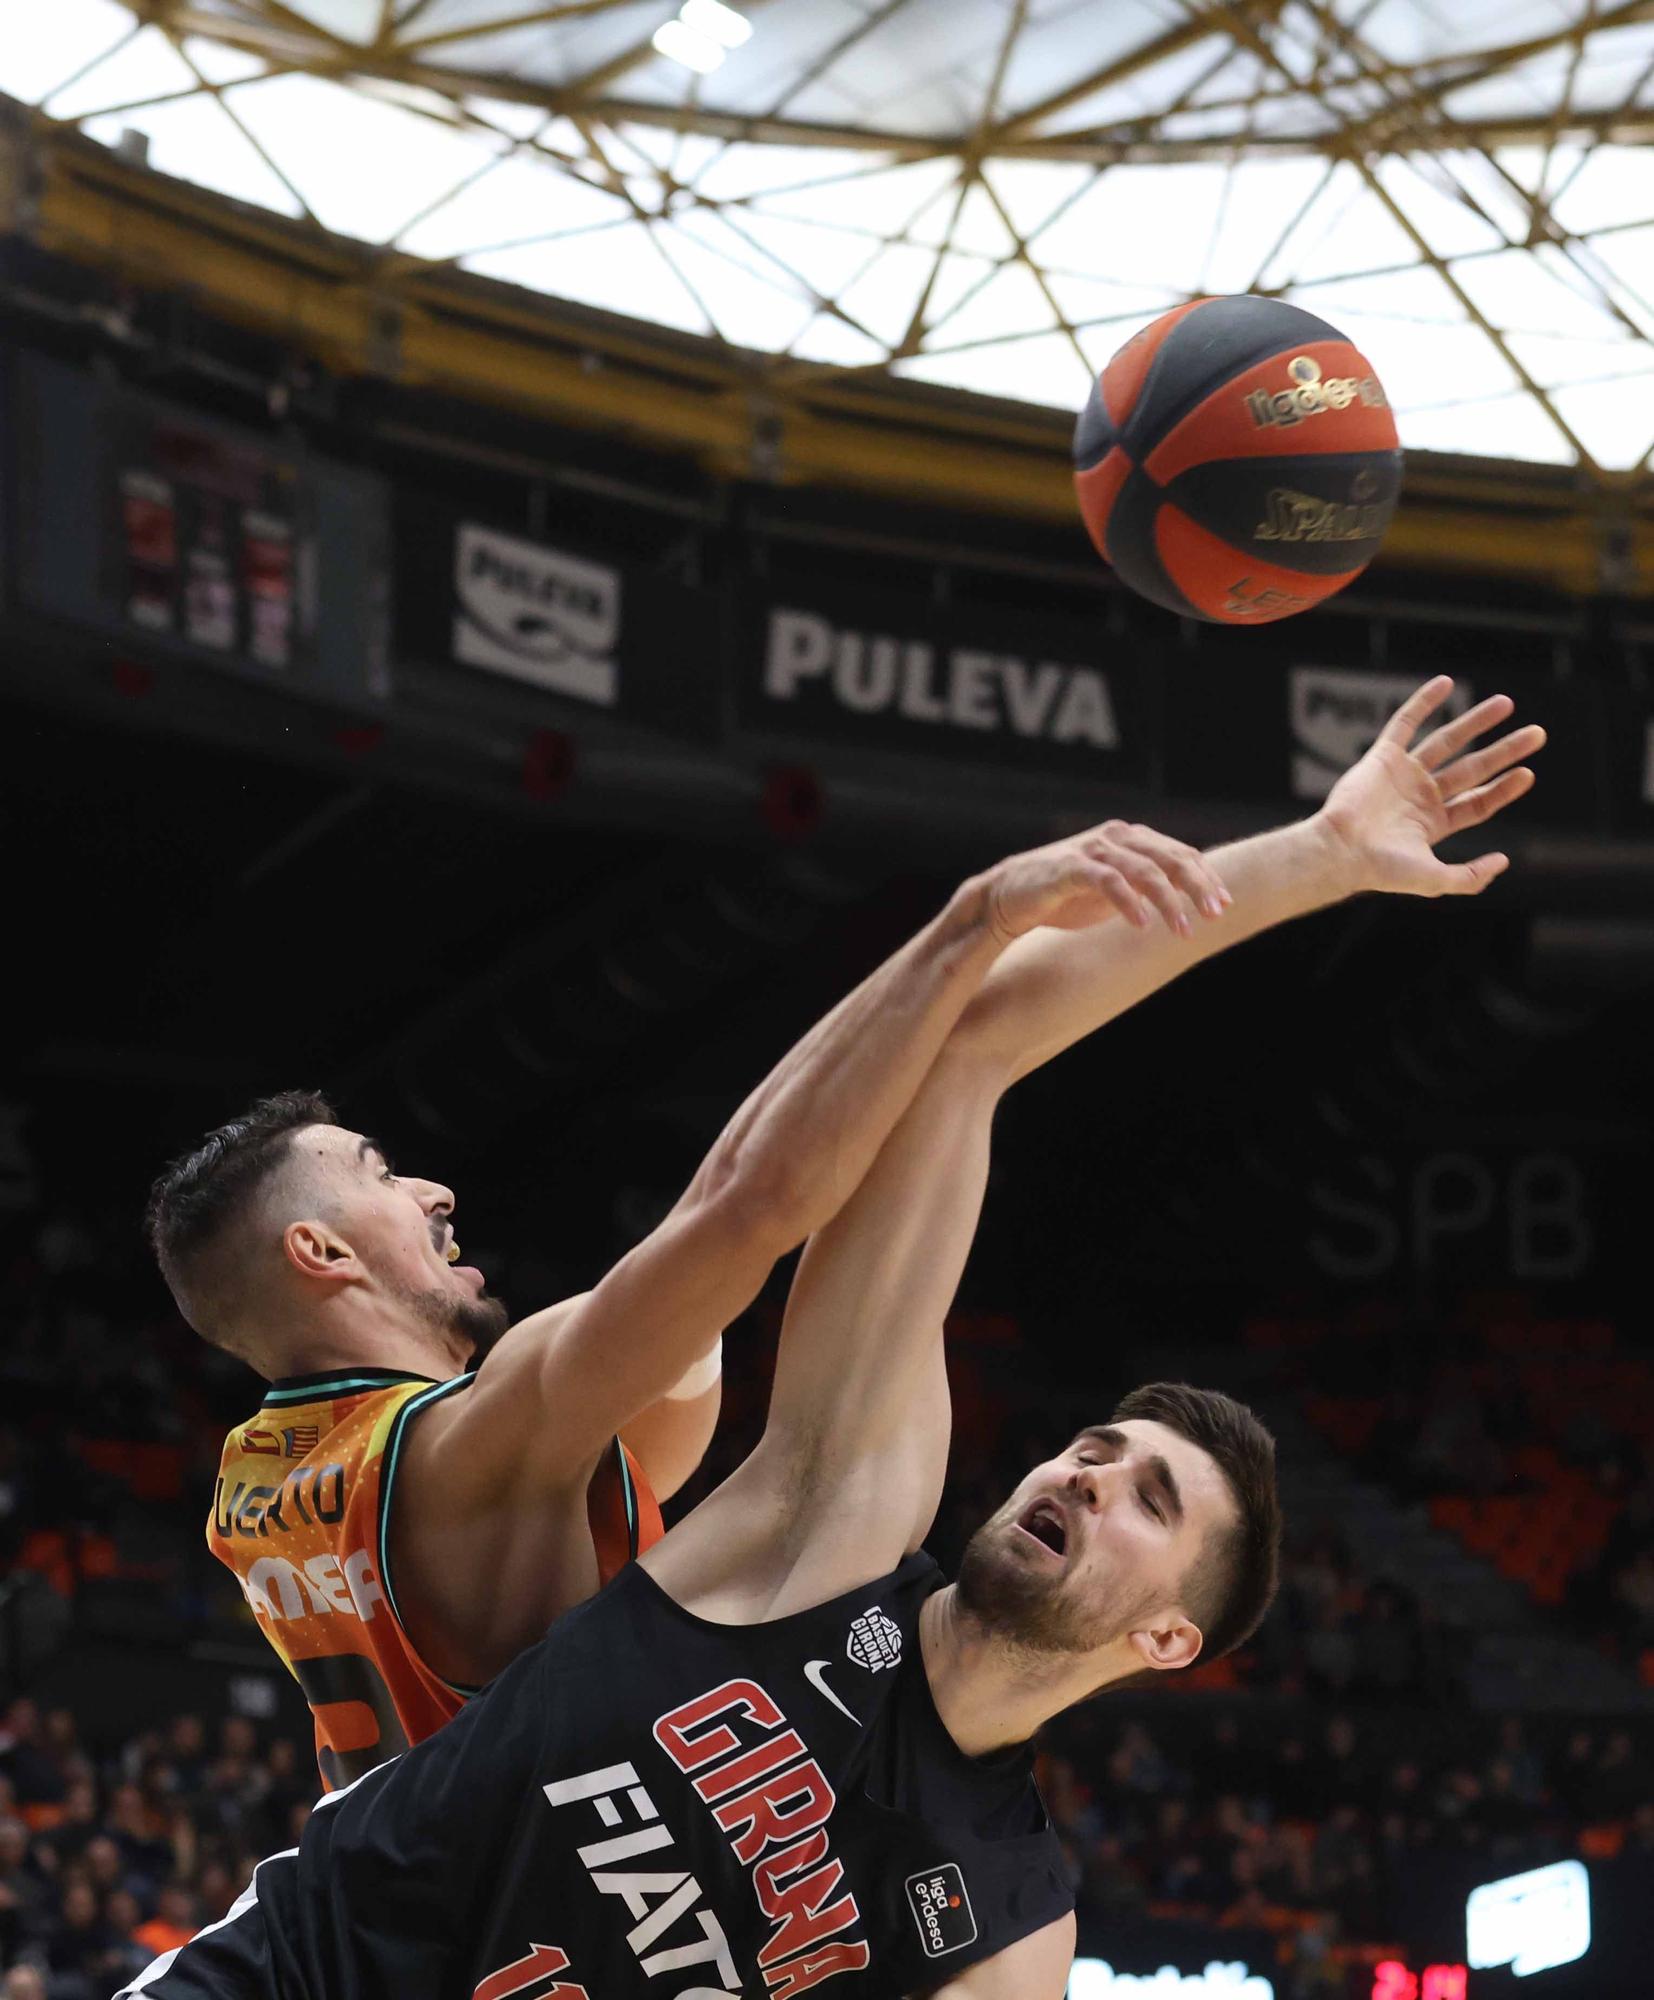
{"x": 989, "y": 1693}
{"x": 365, "y": 1336}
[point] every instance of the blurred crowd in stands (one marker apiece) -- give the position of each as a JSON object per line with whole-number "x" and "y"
{"x": 1293, "y": 1800}
{"x": 1318, "y": 1827}
{"x": 112, "y": 1854}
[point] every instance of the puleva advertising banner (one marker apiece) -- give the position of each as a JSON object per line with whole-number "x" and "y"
{"x": 948, "y": 682}
{"x": 576, "y": 632}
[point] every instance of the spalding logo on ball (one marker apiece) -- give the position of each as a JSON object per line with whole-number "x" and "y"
{"x": 1237, "y": 461}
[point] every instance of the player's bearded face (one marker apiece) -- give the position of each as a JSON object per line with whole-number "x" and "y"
{"x": 1075, "y": 1609}
{"x": 470, "y": 1324}
{"x": 1094, "y": 1543}
{"x": 466, "y": 1318}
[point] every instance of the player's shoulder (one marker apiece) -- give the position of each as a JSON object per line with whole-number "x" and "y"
{"x": 502, "y": 1394}
{"x": 526, "y": 1340}
{"x": 301, "y": 1461}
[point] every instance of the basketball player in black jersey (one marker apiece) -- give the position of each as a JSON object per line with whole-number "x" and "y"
{"x": 780, "y": 1752}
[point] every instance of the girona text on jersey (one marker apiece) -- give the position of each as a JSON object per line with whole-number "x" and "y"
{"x": 773, "y": 1801}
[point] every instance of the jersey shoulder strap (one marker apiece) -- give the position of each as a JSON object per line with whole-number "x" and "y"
{"x": 622, "y": 1511}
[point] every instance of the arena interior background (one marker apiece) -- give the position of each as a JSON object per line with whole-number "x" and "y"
{"x": 528, "y": 478}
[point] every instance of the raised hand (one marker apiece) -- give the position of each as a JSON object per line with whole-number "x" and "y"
{"x": 1404, "y": 797}
{"x": 1115, "y": 869}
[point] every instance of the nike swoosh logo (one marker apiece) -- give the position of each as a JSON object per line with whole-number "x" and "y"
{"x": 815, "y": 1672}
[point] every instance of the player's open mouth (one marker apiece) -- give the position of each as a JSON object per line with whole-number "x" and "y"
{"x": 1043, "y": 1522}
{"x": 450, "y": 1256}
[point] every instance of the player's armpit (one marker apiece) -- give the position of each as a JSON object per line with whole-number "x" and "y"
{"x": 1034, "y": 1968}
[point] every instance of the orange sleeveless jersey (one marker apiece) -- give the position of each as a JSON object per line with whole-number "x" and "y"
{"x": 299, "y": 1516}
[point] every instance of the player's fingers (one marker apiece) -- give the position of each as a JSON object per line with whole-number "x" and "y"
{"x": 1451, "y": 738}
{"x": 1186, "y": 866}
{"x": 1474, "y": 807}
{"x": 1416, "y": 710}
{"x": 1466, "y": 773}
{"x": 1151, "y": 883}
{"x": 1470, "y": 878}
{"x": 1105, "y": 879}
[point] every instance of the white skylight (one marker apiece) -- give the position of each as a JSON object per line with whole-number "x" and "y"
{"x": 965, "y": 192}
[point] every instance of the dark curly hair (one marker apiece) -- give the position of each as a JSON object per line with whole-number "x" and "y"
{"x": 1232, "y": 1582}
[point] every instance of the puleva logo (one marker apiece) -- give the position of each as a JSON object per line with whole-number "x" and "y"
{"x": 538, "y": 614}
{"x": 942, "y": 1909}
{"x": 875, "y": 1641}
{"x": 1335, "y": 715}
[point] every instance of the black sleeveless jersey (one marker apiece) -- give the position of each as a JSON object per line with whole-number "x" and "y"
{"x": 648, "y": 1806}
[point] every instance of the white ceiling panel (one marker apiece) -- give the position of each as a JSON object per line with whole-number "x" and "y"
{"x": 1042, "y": 370}
{"x": 140, "y": 69}
{"x": 621, "y": 270}
{"x": 856, "y": 174}
{"x": 196, "y": 140}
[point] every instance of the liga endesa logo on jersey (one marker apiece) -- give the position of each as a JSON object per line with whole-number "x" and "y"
{"x": 942, "y": 1909}
{"x": 292, "y": 1441}
{"x": 1311, "y": 396}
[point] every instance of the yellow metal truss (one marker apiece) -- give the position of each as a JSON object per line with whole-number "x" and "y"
{"x": 365, "y": 309}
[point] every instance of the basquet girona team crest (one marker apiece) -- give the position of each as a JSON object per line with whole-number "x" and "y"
{"x": 875, "y": 1641}
{"x": 1237, "y": 461}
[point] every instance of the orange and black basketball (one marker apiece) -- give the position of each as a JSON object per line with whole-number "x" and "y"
{"x": 1237, "y": 461}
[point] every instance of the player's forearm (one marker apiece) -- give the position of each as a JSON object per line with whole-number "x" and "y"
{"x": 814, "y": 1126}
{"x": 1051, "y": 988}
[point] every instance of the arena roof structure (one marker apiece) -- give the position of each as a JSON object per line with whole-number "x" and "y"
{"x": 985, "y": 194}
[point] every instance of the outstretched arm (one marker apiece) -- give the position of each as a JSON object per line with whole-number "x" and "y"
{"x": 1378, "y": 830}
{"x": 781, "y": 1168}
{"x": 849, "y": 1470}
{"x": 846, "y": 1476}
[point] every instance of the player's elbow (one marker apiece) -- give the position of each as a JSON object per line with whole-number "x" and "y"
{"x": 757, "y": 1201}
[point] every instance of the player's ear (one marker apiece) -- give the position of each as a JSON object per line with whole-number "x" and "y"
{"x": 316, "y": 1251}
{"x": 1168, "y": 1640}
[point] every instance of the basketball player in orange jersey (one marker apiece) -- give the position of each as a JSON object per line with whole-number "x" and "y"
{"x": 403, "y": 1529}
